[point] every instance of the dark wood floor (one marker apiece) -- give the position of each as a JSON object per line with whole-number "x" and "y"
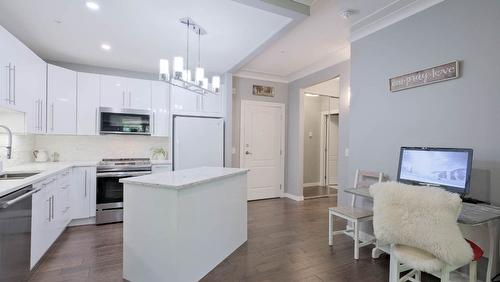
{"x": 287, "y": 241}
{"x": 318, "y": 191}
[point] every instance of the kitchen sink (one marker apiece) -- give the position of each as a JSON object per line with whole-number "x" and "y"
{"x": 17, "y": 175}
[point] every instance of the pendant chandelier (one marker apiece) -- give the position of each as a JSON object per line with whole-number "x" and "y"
{"x": 181, "y": 75}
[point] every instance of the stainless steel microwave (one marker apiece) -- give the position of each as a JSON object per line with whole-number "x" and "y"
{"x": 124, "y": 121}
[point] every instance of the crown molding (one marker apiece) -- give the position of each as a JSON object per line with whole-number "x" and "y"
{"x": 245, "y": 73}
{"x": 388, "y": 15}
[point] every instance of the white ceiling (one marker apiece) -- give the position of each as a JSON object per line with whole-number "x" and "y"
{"x": 140, "y": 32}
{"x": 321, "y": 40}
{"x": 330, "y": 87}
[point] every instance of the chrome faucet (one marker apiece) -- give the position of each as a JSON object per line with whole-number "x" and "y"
{"x": 9, "y": 143}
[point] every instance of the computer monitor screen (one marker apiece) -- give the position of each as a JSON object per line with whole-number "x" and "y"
{"x": 443, "y": 167}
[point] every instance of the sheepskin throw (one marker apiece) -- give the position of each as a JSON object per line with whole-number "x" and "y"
{"x": 420, "y": 217}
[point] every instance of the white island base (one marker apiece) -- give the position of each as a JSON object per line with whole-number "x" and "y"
{"x": 179, "y": 225}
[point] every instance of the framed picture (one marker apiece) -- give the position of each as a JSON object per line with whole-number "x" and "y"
{"x": 260, "y": 90}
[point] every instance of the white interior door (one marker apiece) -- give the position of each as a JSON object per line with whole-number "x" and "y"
{"x": 332, "y": 149}
{"x": 261, "y": 146}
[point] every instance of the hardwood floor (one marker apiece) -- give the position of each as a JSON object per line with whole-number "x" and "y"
{"x": 287, "y": 241}
{"x": 313, "y": 192}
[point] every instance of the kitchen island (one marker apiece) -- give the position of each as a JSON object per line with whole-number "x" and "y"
{"x": 179, "y": 225}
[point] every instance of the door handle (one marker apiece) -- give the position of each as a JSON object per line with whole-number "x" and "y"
{"x": 123, "y": 99}
{"x": 248, "y": 153}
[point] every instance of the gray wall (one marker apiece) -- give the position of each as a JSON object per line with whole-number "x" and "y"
{"x": 242, "y": 90}
{"x": 312, "y": 123}
{"x": 294, "y": 151}
{"x": 456, "y": 113}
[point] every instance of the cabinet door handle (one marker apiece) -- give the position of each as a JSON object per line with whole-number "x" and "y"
{"x": 130, "y": 99}
{"x": 153, "y": 125}
{"x": 9, "y": 87}
{"x": 123, "y": 99}
{"x": 41, "y": 116}
{"x": 14, "y": 85}
{"x": 96, "y": 121}
{"x": 49, "y": 200}
{"x": 85, "y": 183}
{"x": 52, "y": 206}
{"x": 37, "y": 105}
{"x": 52, "y": 114}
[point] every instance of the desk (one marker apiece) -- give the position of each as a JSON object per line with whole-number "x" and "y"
{"x": 471, "y": 214}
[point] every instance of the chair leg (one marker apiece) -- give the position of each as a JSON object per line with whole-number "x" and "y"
{"x": 393, "y": 268}
{"x": 418, "y": 276}
{"x": 330, "y": 229}
{"x": 473, "y": 271}
{"x": 445, "y": 274}
{"x": 356, "y": 240}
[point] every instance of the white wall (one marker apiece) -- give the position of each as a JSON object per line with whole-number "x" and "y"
{"x": 22, "y": 149}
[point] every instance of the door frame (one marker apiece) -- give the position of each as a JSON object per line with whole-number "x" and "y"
{"x": 282, "y": 107}
{"x": 323, "y": 149}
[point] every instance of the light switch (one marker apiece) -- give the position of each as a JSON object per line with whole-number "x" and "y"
{"x": 310, "y": 134}
{"x": 346, "y": 152}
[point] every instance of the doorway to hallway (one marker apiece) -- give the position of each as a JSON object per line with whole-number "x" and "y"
{"x": 321, "y": 139}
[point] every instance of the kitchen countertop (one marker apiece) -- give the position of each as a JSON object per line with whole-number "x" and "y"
{"x": 161, "y": 162}
{"x": 46, "y": 170}
{"x": 184, "y": 178}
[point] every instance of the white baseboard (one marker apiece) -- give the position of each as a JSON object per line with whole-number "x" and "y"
{"x": 82, "y": 221}
{"x": 311, "y": 184}
{"x": 293, "y": 197}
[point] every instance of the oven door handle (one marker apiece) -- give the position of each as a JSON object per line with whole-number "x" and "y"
{"x": 122, "y": 174}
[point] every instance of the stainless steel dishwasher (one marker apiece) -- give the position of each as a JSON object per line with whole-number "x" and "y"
{"x": 15, "y": 235}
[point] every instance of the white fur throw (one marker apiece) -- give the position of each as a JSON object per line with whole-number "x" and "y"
{"x": 420, "y": 217}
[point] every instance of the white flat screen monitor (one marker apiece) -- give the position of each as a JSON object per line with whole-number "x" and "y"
{"x": 447, "y": 168}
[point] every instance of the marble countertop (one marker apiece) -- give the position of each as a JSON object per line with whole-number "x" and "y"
{"x": 181, "y": 179}
{"x": 46, "y": 169}
{"x": 161, "y": 162}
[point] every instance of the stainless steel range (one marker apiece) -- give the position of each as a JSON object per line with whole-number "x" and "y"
{"x": 109, "y": 198}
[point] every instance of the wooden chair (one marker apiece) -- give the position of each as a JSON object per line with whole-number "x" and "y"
{"x": 352, "y": 214}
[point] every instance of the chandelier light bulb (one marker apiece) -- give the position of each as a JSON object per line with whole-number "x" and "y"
{"x": 178, "y": 67}
{"x": 216, "y": 83}
{"x": 164, "y": 70}
{"x": 199, "y": 75}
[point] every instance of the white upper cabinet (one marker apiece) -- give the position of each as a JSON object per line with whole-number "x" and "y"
{"x": 61, "y": 100}
{"x": 184, "y": 101}
{"x": 212, "y": 104}
{"x": 22, "y": 81}
{"x": 189, "y": 103}
{"x": 113, "y": 91}
{"x": 138, "y": 94}
{"x": 160, "y": 112}
{"x": 121, "y": 92}
{"x": 87, "y": 103}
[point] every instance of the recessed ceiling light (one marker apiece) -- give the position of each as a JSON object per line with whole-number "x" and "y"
{"x": 105, "y": 46}
{"x": 92, "y": 5}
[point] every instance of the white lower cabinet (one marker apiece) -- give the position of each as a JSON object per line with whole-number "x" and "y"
{"x": 161, "y": 168}
{"x": 82, "y": 192}
{"x": 62, "y": 197}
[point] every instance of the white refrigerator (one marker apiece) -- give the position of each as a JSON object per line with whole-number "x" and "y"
{"x": 197, "y": 141}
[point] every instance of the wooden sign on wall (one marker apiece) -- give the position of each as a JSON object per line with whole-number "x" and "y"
{"x": 423, "y": 77}
{"x": 260, "y": 90}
